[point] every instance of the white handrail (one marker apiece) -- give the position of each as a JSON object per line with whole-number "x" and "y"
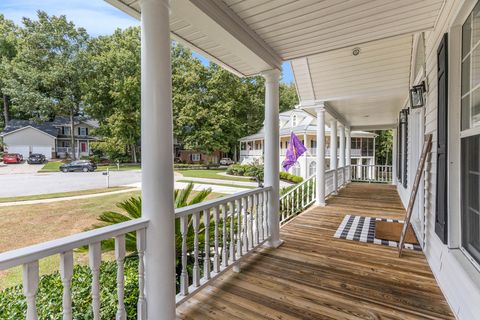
{"x": 35, "y": 252}
{"x": 372, "y": 173}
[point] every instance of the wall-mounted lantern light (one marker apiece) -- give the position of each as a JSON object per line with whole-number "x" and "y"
{"x": 416, "y": 96}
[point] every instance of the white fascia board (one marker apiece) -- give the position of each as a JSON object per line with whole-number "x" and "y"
{"x": 386, "y": 126}
{"x": 26, "y": 127}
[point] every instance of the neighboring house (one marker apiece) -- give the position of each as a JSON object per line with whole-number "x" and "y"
{"x": 51, "y": 138}
{"x": 198, "y": 157}
{"x": 303, "y": 124}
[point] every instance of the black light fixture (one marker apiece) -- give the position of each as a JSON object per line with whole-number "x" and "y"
{"x": 416, "y": 96}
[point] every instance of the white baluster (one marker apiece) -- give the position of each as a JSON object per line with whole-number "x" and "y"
{"x": 142, "y": 302}
{"x": 216, "y": 257}
{"x": 30, "y": 287}
{"x": 206, "y": 260}
{"x": 95, "y": 256}
{"x": 255, "y": 217}
{"x": 120, "y": 257}
{"x": 260, "y": 216}
{"x": 224, "y": 236}
{"x": 250, "y": 222}
{"x": 266, "y": 215}
{"x": 239, "y": 227}
{"x": 245, "y": 224}
{"x": 233, "y": 254}
{"x": 184, "y": 275}
{"x": 66, "y": 273}
{"x": 196, "y": 267}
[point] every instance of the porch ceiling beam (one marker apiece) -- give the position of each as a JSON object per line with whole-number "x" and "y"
{"x": 226, "y": 18}
{"x": 311, "y": 105}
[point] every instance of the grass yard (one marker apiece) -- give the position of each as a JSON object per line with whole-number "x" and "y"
{"x": 51, "y": 166}
{"x": 218, "y": 184}
{"x": 61, "y": 194}
{"x": 211, "y": 174}
{"x": 26, "y": 225}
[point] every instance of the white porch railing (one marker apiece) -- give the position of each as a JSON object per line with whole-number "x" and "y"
{"x": 64, "y": 149}
{"x": 372, "y": 173}
{"x": 303, "y": 195}
{"x": 210, "y": 237}
{"x": 224, "y": 231}
{"x": 251, "y": 152}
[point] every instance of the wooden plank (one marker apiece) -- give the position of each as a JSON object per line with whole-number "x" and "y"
{"x": 316, "y": 276}
{"x": 427, "y": 146}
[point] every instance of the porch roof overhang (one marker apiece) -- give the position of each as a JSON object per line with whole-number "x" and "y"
{"x": 317, "y": 36}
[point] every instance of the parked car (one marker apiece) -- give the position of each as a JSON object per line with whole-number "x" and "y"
{"x": 79, "y": 165}
{"x": 12, "y": 158}
{"x": 36, "y": 158}
{"x": 226, "y": 161}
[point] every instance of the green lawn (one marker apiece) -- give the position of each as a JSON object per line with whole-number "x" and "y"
{"x": 54, "y": 166}
{"x": 218, "y": 184}
{"x": 61, "y": 194}
{"x": 211, "y": 174}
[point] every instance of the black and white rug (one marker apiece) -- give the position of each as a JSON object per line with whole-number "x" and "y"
{"x": 358, "y": 228}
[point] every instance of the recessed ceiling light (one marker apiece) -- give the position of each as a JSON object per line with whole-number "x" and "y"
{"x": 366, "y": 116}
{"x": 356, "y": 51}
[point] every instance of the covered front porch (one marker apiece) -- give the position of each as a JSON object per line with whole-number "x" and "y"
{"x": 316, "y": 276}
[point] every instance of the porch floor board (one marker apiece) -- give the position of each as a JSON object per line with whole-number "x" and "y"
{"x": 316, "y": 276}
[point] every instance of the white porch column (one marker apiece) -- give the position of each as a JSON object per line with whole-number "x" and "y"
{"x": 342, "y": 151}
{"x": 348, "y": 153}
{"x": 157, "y": 164}
{"x": 333, "y": 153}
{"x": 320, "y": 195}
{"x": 394, "y": 157}
{"x": 272, "y": 156}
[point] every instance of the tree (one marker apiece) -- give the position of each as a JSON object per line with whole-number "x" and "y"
{"x": 288, "y": 96}
{"x": 46, "y": 72}
{"x": 112, "y": 91}
{"x": 383, "y": 147}
{"x": 7, "y": 51}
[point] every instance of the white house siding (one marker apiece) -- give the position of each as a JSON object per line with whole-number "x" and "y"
{"x": 29, "y": 137}
{"x": 458, "y": 279}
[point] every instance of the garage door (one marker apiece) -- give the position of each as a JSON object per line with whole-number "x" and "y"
{"x": 45, "y": 150}
{"x": 23, "y": 150}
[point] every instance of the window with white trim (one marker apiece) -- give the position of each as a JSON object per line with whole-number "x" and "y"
{"x": 470, "y": 135}
{"x": 195, "y": 156}
{"x": 312, "y": 168}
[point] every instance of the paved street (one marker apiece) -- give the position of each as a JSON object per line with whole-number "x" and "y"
{"x": 12, "y": 185}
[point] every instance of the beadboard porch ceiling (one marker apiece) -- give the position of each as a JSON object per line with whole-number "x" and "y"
{"x": 318, "y": 36}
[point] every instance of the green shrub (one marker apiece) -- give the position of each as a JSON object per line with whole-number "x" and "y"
{"x": 256, "y": 171}
{"x": 50, "y": 290}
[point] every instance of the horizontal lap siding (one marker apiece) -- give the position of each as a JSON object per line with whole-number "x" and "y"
{"x": 462, "y": 295}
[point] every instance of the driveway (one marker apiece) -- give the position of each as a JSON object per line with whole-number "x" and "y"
{"x": 24, "y": 184}
{"x": 19, "y": 168}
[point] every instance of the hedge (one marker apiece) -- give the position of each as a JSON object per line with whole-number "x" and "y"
{"x": 50, "y": 290}
{"x": 257, "y": 171}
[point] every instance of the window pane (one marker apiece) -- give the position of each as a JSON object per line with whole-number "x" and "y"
{"x": 471, "y": 195}
{"x": 475, "y": 67}
{"x": 476, "y": 24}
{"x": 466, "y": 36}
{"x": 466, "y": 76}
{"x": 466, "y": 112}
{"x": 475, "y": 111}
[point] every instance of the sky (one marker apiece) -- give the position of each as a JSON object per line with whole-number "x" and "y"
{"x": 96, "y": 16}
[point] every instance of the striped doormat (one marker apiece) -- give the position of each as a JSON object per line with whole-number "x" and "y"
{"x": 358, "y": 228}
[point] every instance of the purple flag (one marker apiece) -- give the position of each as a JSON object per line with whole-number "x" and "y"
{"x": 294, "y": 151}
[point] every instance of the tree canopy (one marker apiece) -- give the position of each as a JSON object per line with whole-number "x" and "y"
{"x": 49, "y": 67}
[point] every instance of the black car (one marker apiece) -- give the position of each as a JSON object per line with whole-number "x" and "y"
{"x": 79, "y": 165}
{"x": 36, "y": 158}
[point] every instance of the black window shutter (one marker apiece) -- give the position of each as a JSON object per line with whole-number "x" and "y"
{"x": 441, "y": 217}
{"x": 399, "y": 148}
{"x": 86, "y": 131}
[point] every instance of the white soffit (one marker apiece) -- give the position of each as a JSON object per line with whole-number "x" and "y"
{"x": 298, "y": 28}
{"x": 219, "y": 35}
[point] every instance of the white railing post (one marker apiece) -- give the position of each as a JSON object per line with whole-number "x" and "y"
{"x": 120, "y": 258}
{"x": 94, "y": 260}
{"x": 320, "y": 169}
{"x": 333, "y": 153}
{"x": 66, "y": 273}
{"x": 142, "y": 302}
{"x": 272, "y": 157}
{"x": 342, "y": 153}
{"x": 348, "y": 154}
{"x": 30, "y": 287}
{"x": 157, "y": 163}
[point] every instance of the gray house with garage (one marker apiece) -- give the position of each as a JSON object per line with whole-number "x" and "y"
{"x": 51, "y": 138}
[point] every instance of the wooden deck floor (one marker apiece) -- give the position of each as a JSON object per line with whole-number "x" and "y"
{"x": 315, "y": 276}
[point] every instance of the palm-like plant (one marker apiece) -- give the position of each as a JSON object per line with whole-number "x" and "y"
{"x": 132, "y": 209}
